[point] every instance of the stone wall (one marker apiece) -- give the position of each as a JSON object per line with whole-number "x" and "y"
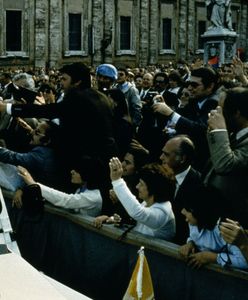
{"x": 45, "y": 31}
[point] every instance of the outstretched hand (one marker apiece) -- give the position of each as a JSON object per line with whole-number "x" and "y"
{"x": 162, "y": 108}
{"x": 25, "y": 175}
{"x": 115, "y": 168}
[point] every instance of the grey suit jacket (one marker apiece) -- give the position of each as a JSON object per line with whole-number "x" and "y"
{"x": 229, "y": 173}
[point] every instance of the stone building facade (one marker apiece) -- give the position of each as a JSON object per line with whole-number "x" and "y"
{"x": 133, "y": 32}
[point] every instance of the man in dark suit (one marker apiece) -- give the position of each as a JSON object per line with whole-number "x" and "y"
{"x": 228, "y": 144}
{"x": 161, "y": 82}
{"x": 192, "y": 119}
{"x": 6, "y": 89}
{"x": 178, "y": 153}
{"x": 85, "y": 117}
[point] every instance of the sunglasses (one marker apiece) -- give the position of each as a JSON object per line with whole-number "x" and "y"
{"x": 193, "y": 84}
{"x": 121, "y": 74}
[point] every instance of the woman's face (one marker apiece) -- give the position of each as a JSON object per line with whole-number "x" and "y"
{"x": 128, "y": 165}
{"x": 76, "y": 178}
{"x": 143, "y": 190}
{"x": 189, "y": 218}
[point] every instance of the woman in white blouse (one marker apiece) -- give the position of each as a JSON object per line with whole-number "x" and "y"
{"x": 87, "y": 197}
{"x": 156, "y": 188}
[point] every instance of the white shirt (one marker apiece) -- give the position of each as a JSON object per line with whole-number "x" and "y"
{"x": 89, "y": 202}
{"x": 156, "y": 220}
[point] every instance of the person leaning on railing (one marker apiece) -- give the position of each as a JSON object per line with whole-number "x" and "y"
{"x": 156, "y": 188}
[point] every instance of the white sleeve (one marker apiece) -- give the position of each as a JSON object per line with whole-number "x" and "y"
{"x": 87, "y": 200}
{"x": 153, "y": 217}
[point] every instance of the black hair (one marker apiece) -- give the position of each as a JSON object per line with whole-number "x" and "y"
{"x": 90, "y": 170}
{"x": 161, "y": 74}
{"x": 207, "y": 209}
{"x": 140, "y": 157}
{"x": 160, "y": 182}
{"x": 123, "y": 69}
{"x": 47, "y": 87}
{"x": 51, "y": 134}
{"x": 138, "y": 76}
{"x": 175, "y": 76}
{"x": 236, "y": 100}
{"x": 207, "y": 75}
{"x": 121, "y": 108}
{"x": 78, "y": 71}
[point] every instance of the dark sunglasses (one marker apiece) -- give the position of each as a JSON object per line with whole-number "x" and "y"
{"x": 121, "y": 74}
{"x": 193, "y": 84}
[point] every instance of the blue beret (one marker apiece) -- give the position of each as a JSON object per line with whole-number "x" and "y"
{"x": 107, "y": 70}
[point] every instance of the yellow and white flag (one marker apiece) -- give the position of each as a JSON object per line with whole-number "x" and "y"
{"x": 140, "y": 286}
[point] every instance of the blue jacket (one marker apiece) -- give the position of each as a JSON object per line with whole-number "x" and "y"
{"x": 41, "y": 162}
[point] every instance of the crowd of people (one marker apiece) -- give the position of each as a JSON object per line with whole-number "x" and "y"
{"x": 162, "y": 149}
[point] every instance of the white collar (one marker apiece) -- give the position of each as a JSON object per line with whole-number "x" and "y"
{"x": 241, "y": 133}
{"x": 200, "y": 104}
{"x": 181, "y": 176}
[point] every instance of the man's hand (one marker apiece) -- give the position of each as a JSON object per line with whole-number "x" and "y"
{"x": 115, "y": 168}
{"x": 238, "y": 70}
{"x": 200, "y": 259}
{"x": 216, "y": 119}
{"x": 25, "y": 175}
{"x": 233, "y": 233}
{"x": 17, "y": 198}
{"x": 162, "y": 108}
{"x": 186, "y": 250}
{"x": 40, "y": 100}
{"x": 98, "y": 221}
{"x": 137, "y": 145}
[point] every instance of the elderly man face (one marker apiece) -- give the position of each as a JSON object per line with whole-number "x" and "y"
{"x": 147, "y": 81}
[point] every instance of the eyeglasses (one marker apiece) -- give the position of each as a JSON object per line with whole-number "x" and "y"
{"x": 159, "y": 81}
{"x": 193, "y": 84}
{"x": 121, "y": 74}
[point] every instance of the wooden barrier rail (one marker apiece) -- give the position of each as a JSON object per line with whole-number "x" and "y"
{"x": 66, "y": 247}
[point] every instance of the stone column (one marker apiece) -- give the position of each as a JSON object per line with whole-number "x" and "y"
{"x": 182, "y": 44}
{"x": 97, "y": 21}
{"x": 191, "y": 25}
{"x": 40, "y": 38}
{"x": 153, "y": 32}
{"x": 108, "y": 36}
{"x": 54, "y": 33}
{"x": 144, "y": 21}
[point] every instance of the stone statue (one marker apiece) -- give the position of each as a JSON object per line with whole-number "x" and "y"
{"x": 219, "y": 13}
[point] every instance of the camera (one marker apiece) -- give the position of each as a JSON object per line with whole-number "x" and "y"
{"x": 149, "y": 97}
{"x": 20, "y": 93}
